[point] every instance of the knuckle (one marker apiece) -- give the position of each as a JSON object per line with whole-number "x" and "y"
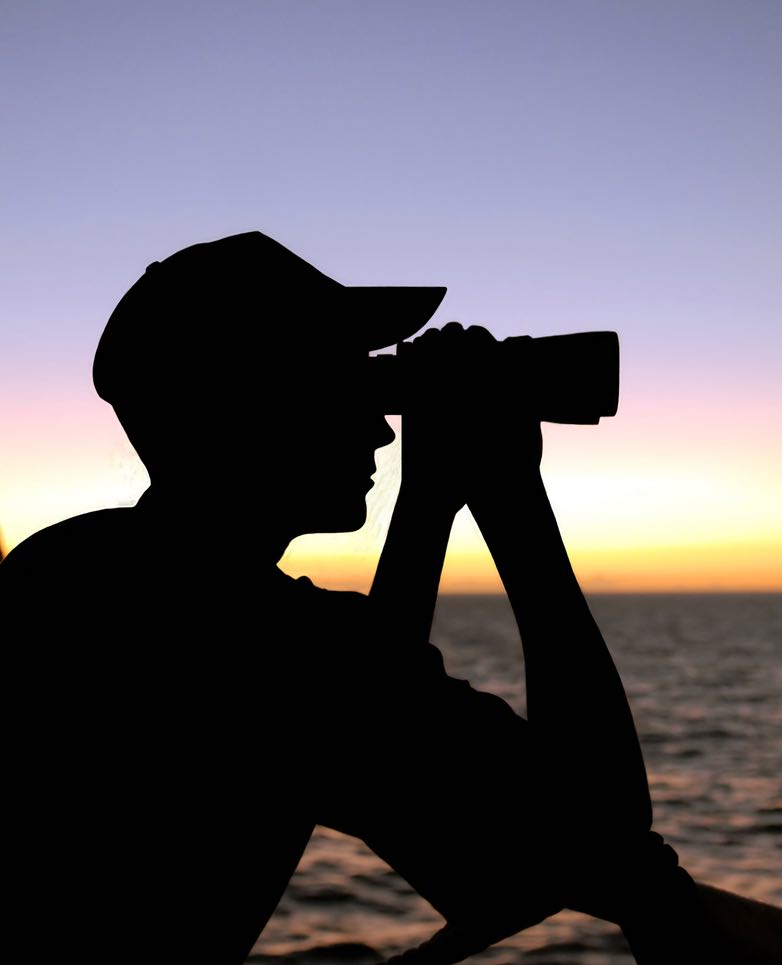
{"x": 453, "y": 328}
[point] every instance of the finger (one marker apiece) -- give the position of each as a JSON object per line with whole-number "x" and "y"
{"x": 480, "y": 334}
{"x": 449, "y": 945}
{"x": 453, "y": 328}
{"x": 426, "y": 344}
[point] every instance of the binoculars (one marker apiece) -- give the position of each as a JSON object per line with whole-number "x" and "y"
{"x": 570, "y": 379}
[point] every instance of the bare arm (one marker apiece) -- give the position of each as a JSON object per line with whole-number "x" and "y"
{"x": 431, "y": 493}
{"x": 470, "y": 449}
{"x": 408, "y": 574}
{"x": 742, "y": 932}
{"x": 596, "y": 779}
{"x": 575, "y": 698}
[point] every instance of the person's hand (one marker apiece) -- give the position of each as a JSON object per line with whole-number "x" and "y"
{"x": 446, "y": 947}
{"x": 457, "y": 941}
{"x": 474, "y": 432}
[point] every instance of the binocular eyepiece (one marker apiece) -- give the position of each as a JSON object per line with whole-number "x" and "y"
{"x": 570, "y": 379}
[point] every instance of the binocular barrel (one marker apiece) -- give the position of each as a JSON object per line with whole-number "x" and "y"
{"x": 570, "y": 379}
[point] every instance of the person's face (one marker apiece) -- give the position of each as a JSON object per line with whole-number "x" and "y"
{"x": 319, "y": 449}
{"x": 293, "y": 446}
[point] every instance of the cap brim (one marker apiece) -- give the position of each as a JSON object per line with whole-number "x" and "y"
{"x": 379, "y": 316}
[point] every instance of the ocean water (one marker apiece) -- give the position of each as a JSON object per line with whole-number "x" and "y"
{"x": 704, "y": 677}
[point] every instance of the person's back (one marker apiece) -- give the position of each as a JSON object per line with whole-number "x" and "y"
{"x": 143, "y": 763}
{"x": 183, "y": 718}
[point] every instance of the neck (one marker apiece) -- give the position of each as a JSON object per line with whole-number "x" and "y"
{"x": 189, "y": 515}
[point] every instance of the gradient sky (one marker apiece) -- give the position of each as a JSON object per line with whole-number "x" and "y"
{"x": 560, "y": 166}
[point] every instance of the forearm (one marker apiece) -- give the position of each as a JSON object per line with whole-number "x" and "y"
{"x": 702, "y": 925}
{"x": 746, "y": 931}
{"x": 406, "y": 582}
{"x": 520, "y": 529}
{"x": 575, "y": 697}
{"x": 712, "y": 928}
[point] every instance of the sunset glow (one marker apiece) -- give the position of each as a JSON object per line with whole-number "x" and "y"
{"x": 559, "y": 168}
{"x": 626, "y": 531}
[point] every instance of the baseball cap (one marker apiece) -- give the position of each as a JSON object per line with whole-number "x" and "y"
{"x": 210, "y": 299}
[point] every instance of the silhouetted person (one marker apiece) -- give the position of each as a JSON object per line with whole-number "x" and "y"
{"x": 187, "y": 712}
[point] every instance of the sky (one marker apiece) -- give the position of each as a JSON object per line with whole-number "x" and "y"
{"x": 560, "y": 166}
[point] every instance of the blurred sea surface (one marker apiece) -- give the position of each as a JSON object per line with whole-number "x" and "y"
{"x": 704, "y": 677}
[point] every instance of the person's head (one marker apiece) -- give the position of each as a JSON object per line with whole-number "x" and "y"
{"x": 239, "y": 372}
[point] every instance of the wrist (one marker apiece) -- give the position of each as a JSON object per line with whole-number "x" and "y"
{"x": 431, "y": 499}
{"x": 506, "y": 485}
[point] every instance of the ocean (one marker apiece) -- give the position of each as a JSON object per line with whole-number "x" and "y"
{"x": 704, "y": 677}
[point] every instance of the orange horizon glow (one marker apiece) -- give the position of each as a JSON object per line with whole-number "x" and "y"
{"x": 671, "y": 517}
{"x": 672, "y": 569}
{"x": 346, "y": 561}
{"x": 648, "y": 511}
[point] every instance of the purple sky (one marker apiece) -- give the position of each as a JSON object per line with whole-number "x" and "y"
{"x": 559, "y": 165}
